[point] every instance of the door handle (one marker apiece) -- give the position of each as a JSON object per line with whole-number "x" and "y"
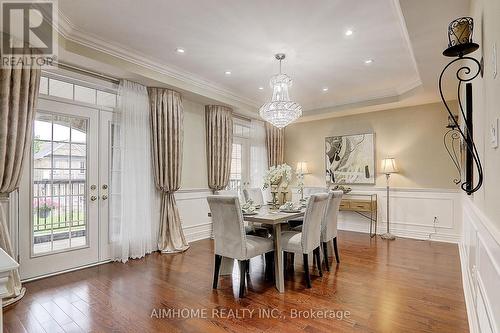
{"x": 93, "y": 198}
{"x": 104, "y": 197}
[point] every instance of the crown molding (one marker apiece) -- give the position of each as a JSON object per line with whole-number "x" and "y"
{"x": 70, "y": 32}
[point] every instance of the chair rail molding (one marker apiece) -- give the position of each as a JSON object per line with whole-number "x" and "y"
{"x": 480, "y": 258}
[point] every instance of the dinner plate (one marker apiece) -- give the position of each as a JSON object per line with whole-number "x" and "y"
{"x": 290, "y": 211}
{"x": 250, "y": 213}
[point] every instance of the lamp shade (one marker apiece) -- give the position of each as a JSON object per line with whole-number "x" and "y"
{"x": 302, "y": 168}
{"x": 389, "y": 165}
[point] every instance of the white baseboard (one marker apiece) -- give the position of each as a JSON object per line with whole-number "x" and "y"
{"x": 198, "y": 232}
{"x": 480, "y": 261}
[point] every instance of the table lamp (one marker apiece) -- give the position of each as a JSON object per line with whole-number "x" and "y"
{"x": 388, "y": 166}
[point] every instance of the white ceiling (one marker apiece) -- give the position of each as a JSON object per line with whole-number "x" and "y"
{"x": 242, "y": 36}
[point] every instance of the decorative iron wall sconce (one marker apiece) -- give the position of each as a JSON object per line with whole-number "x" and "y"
{"x": 460, "y": 44}
{"x": 452, "y": 143}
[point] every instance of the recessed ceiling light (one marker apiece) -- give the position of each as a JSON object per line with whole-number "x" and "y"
{"x": 368, "y": 61}
{"x": 261, "y": 88}
{"x": 325, "y": 89}
{"x": 180, "y": 50}
{"x": 227, "y": 72}
{"x": 349, "y": 32}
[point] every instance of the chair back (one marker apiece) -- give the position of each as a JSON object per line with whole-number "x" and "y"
{"x": 254, "y": 194}
{"x": 313, "y": 216}
{"x": 308, "y": 191}
{"x": 229, "y": 230}
{"x": 232, "y": 193}
{"x": 329, "y": 223}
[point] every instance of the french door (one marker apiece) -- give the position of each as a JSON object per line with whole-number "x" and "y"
{"x": 240, "y": 176}
{"x": 63, "y": 220}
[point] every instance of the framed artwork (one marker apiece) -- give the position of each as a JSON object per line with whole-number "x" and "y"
{"x": 350, "y": 159}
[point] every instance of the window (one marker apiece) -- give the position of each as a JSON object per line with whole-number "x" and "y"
{"x": 76, "y": 92}
{"x": 60, "y": 89}
{"x": 84, "y": 94}
{"x": 239, "y": 176}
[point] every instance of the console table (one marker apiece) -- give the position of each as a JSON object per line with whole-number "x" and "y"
{"x": 363, "y": 204}
{"x": 7, "y": 264}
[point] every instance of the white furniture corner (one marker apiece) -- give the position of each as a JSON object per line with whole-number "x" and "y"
{"x": 7, "y": 265}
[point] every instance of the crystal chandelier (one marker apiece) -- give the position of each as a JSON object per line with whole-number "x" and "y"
{"x": 281, "y": 111}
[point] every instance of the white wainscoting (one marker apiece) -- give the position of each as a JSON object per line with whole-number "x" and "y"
{"x": 193, "y": 209}
{"x": 480, "y": 258}
{"x": 414, "y": 213}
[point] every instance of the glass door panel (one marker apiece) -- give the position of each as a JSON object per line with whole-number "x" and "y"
{"x": 239, "y": 175}
{"x": 59, "y": 159}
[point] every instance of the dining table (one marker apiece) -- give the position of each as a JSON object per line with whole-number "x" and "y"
{"x": 275, "y": 218}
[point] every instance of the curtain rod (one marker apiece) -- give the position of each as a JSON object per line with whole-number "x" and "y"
{"x": 87, "y": 72}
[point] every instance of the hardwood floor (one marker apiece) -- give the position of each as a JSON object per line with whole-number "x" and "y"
{"x": 379, "y": 286}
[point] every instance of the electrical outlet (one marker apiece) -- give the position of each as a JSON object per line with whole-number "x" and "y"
{"x": 494, "y": 133}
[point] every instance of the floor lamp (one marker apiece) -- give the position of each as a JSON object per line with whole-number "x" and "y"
{"x": 388, "y": 167}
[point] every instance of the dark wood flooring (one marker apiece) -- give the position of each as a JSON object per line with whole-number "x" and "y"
{"x": 401, "y": 286}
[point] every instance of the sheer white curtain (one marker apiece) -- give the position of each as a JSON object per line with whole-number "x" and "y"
{"x": 258, "y": 154}
{"x": 134, "y": 201}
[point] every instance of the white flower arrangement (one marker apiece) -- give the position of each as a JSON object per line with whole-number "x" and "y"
{"x": 276, "y": 175}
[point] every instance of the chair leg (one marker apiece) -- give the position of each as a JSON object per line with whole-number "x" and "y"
{"x": 218, "y": 261}
{"x": 248, "y": 267}
{"x": 285, "y": 262}
{"x": 243, "y": 269}
{"x": 325, "y": 254}
{"x": 292, "y": 262}
{"x": 337, "y": 257}
{"x": 317, "y": 257}
{"x": 269, "y": 265}
{"x": 306, "y": 270}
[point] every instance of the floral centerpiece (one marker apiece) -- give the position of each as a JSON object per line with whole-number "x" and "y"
{"x": 278, "y": 177}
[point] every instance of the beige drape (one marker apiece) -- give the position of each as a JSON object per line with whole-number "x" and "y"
{"x": 18, "y": 95}
{"x": 167, "y": 134}
{"x": 219, "y": 132}
{"x": 275, "y": 142}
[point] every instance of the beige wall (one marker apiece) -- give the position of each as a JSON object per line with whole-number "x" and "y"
{"x": 194, "y": 161}
{"x": 486, "y": 90}
{"x": 413, "y": 135}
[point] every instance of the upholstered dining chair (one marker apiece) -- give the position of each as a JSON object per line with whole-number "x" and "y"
{"x": 308, "y": 240}
{"x": 231, "y": 241}
{"x": 307, "y": 193}
{"x": 254, "y": 194}
{"x": 229, "y": 192}
{"x": 314, "y": 190}
{"x": 249, "y": 228}
{"x": 329, "y": 225}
